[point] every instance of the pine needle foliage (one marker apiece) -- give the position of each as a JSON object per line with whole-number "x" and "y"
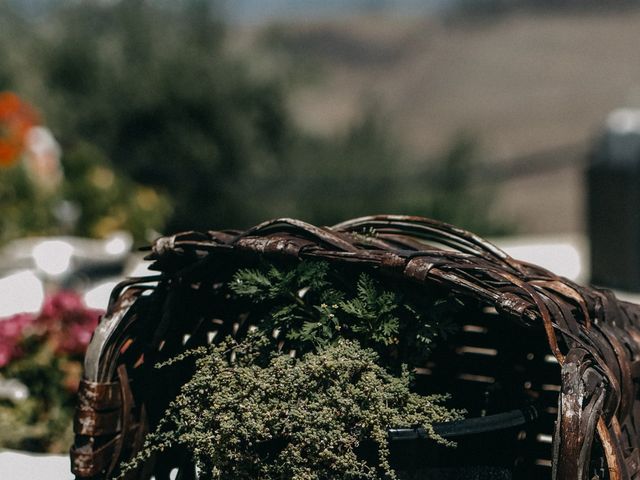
{"x": 270, "y": 416}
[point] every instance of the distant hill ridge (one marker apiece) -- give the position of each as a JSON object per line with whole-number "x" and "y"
{"x": 533, "y": 86}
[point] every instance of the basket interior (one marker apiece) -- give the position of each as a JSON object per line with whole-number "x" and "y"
{"x": 490, "y": 365}
{"x": 493, "y": 365}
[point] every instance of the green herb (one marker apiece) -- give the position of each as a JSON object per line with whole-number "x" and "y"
{"x": 275, "y": 417}
{"x": 252, "y": 411}
{"x": 314, "y": 307}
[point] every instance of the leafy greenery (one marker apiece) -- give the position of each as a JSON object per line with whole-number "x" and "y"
{"x": 94, "y": 199}
{"x": 25, "y": 209}
{"x": 271, "y": 416}
{"x": 108, "y": 201}
{"x": 44, "y": 421}
{"x": 254, "y": 410}
{"x": 156, "y": 90}
{"x": 153, "y": 90}
{"x": 313, "y": 307}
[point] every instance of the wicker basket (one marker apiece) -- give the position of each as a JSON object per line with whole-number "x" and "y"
{"x": 546, "y": 369}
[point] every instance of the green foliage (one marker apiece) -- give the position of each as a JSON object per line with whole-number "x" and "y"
{"x": 154, "y": 88}
{"x": 274, "y": 417}
{"x": 44, "y": 421}
{"x": 24, "y": 208}
{"x": 100, "y": 201}
{"x": 309, "y": 311}
{"x": 107, "y": 201}
{"x": 314, "y": 306}
{"x": 455, "y": 194}
{"x": 373, "y": 311}
{"x": 251, "y": 410}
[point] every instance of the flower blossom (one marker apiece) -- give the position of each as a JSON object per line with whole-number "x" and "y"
{"x": 16, "y": 119}
{"x": 68, "y": 323}
{"x": 11, "y": 333}
{"x": 64, "y": 323}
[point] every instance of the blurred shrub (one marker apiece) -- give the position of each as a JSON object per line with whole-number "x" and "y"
{"x": 353, "y": 174}
{"x": 366, "y": 172}
{"x": 109, "y": 202}
{"x": 452, "y": 190}
{"x": 86, "y": 197}
{"x": 40, "y": 369}
{"x": 152, "y": 86}
{"x": 92, "y": 201}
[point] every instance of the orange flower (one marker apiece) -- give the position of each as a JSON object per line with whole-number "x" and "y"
{"x": 16, "y": 118}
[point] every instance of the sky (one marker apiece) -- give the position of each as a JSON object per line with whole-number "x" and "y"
{"x": 258, "y": 11}
{"x": 255, "y": 11}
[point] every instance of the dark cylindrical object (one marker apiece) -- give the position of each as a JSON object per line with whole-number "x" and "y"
{"x": 613, "y": 203}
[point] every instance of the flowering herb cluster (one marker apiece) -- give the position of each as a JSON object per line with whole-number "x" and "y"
{"x": 40, "y": 368}
{"x": 267, "y": 415}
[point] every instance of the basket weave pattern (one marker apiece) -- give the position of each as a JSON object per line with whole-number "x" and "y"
{"x": 575, "y": 350}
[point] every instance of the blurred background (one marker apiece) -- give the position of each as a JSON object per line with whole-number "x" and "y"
{"x": 124, "y": 120}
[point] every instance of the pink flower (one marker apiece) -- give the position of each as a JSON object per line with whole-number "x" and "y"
{"x": 77, "y": 338}
{"x": 11, "y": 332}
{"x": 68, "y": 322}
{"x": 65, "y": 323}
{"x": 61, "y": 304}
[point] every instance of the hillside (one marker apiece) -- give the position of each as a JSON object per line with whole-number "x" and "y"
{"x": 533, "y": 88}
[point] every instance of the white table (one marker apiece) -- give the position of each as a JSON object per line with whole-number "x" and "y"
{"x": 22, "y": 466}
